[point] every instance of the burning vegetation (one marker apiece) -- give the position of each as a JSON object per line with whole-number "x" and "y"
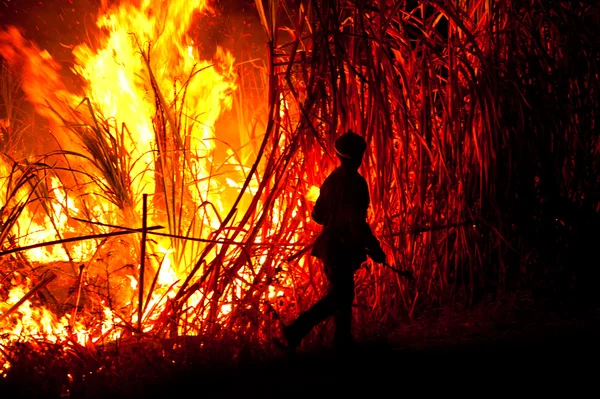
{"x": 159, "y": 190}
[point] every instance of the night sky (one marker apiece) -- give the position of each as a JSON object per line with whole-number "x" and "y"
{"x": 57, "y": 25}
{"x": 52, "y": 25}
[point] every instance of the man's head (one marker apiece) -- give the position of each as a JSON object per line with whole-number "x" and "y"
{"x": 350, "y": 148}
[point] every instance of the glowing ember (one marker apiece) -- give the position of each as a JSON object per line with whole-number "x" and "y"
{"x": 313, "y": 194}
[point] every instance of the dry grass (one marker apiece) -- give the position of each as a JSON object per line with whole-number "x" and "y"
{"x": 469, "y": 180}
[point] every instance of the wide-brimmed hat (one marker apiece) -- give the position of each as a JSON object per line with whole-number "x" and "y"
{"x": 350, "y": 146}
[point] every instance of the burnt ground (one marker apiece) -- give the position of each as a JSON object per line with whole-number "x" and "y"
{"x": 529, "y": 350}
{"x": 519, "y": 347}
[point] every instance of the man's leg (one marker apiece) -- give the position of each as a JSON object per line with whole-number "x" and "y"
{"x": 310, "y": 318}
{"x": 342, "y": 290}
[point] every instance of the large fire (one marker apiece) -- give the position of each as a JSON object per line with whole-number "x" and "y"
{"x": 142, "y": 122}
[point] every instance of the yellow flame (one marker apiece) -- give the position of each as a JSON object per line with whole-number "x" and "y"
{"x": 144, "y": 72}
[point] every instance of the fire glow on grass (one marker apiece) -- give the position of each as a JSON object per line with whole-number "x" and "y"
{"x": 147, "y": 125}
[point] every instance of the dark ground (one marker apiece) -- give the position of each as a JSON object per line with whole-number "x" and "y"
{"x": 519, "y": 353}
{"x": 521, "y": 347}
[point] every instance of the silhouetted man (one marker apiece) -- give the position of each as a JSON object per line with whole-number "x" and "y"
{"x": 343, "y": 245}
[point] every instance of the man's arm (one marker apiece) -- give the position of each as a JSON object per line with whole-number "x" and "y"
{"x": 372, "y": 244}
{"x": 373, "y": 247}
